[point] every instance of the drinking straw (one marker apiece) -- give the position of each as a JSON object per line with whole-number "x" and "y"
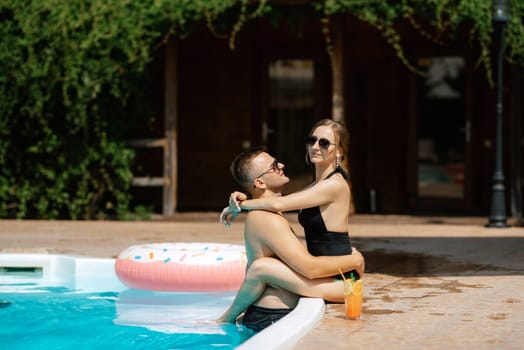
{"x": 343, "y": 277}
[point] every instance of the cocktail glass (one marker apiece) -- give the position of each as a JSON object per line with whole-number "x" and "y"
{"x": 353, "y": 293}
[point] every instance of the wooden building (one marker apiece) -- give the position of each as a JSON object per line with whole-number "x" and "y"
{"x": 419, "y": 144}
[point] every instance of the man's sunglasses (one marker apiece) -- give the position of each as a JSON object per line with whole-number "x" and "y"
{"x": 274, "y": 168}
{"x": 322, "y": 142}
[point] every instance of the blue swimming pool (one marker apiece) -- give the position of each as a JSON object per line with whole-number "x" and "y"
{"x": 65, "y": 302}
{"x": 66, "y": 311}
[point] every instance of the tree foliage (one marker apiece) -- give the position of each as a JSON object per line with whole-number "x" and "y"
{"x": 444, "y": 21}
{"x": 74, "y": 75}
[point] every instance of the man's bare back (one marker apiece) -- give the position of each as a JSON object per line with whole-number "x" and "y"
{"x": 258, "y": 245}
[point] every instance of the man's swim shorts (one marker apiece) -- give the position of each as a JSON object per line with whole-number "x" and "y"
{"x": 257, "y": 318}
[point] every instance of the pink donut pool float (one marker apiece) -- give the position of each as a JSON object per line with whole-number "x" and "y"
{"x": 182, "y": 267}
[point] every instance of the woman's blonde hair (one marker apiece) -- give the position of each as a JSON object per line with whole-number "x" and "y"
{"x": 342, "y": 140}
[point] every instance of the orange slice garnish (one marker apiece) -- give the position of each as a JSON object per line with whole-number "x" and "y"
{"x": 358, "y": 287}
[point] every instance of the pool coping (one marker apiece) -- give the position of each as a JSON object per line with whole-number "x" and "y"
{"x": 285, "y": 333}
{"x": 281, "y": 335}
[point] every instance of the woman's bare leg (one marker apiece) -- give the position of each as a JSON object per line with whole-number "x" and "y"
{"x": 277, "y": 274}
{"x": 264, "y": 271}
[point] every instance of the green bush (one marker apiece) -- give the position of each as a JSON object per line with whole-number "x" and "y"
{"x": 73, "y": 78}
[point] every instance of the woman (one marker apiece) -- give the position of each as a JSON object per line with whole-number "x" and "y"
{"x": 325, "y": 205}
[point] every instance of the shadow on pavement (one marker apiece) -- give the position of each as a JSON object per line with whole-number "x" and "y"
{"x": 442, "y": 256}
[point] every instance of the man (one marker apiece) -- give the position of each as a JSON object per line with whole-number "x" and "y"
{"x": 268, "y": 234}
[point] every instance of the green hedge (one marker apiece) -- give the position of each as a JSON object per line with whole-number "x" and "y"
{"x": 70, "y": 72}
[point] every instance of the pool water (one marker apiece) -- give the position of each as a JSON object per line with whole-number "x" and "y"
{"x": 36, "y": 316}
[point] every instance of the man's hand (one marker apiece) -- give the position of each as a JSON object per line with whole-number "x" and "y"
{"x": 230, "y": 212}
{"x": 360, "y": 269}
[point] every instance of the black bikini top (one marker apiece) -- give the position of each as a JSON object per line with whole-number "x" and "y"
{"x": 319, "y": 240}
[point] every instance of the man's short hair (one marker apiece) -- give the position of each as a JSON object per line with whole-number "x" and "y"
{"x": 241, "y": 166}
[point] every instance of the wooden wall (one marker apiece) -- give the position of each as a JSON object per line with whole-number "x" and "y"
{"x": 221, "y": 102}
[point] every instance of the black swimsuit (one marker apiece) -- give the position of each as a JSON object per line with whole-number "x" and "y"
{"x": 319, "y": 240}
{"x": 257, "y": 318}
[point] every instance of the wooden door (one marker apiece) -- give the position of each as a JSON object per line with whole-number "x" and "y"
{"x": 440, "y": 136}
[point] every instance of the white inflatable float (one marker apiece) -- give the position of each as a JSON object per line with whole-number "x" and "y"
{"x": 182, "y": 267}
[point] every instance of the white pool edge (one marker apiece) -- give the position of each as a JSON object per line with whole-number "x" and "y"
{"x": 68, "y": 271}
{"x": 287, "y": 332}
{"x": 284, "y": 334}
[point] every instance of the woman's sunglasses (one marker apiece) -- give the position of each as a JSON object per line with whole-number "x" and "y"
{"x": 322, "y": 142}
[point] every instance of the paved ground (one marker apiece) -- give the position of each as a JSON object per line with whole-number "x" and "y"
{"x": 432, "y": 283}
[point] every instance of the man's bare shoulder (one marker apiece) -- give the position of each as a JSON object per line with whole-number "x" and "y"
{"x": 256, "y": 214}
{"x": 263, "y": 220}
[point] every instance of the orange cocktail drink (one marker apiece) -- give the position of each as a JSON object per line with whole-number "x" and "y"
{"x": 353, "y": 293}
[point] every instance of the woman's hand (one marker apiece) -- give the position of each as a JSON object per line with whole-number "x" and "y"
{"x": 228, "y": 215}
{"x": 230, "y": 212}
{"x": 235, "y": 198}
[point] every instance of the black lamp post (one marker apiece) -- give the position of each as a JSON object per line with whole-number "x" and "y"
{"x": 497, "y": 217}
